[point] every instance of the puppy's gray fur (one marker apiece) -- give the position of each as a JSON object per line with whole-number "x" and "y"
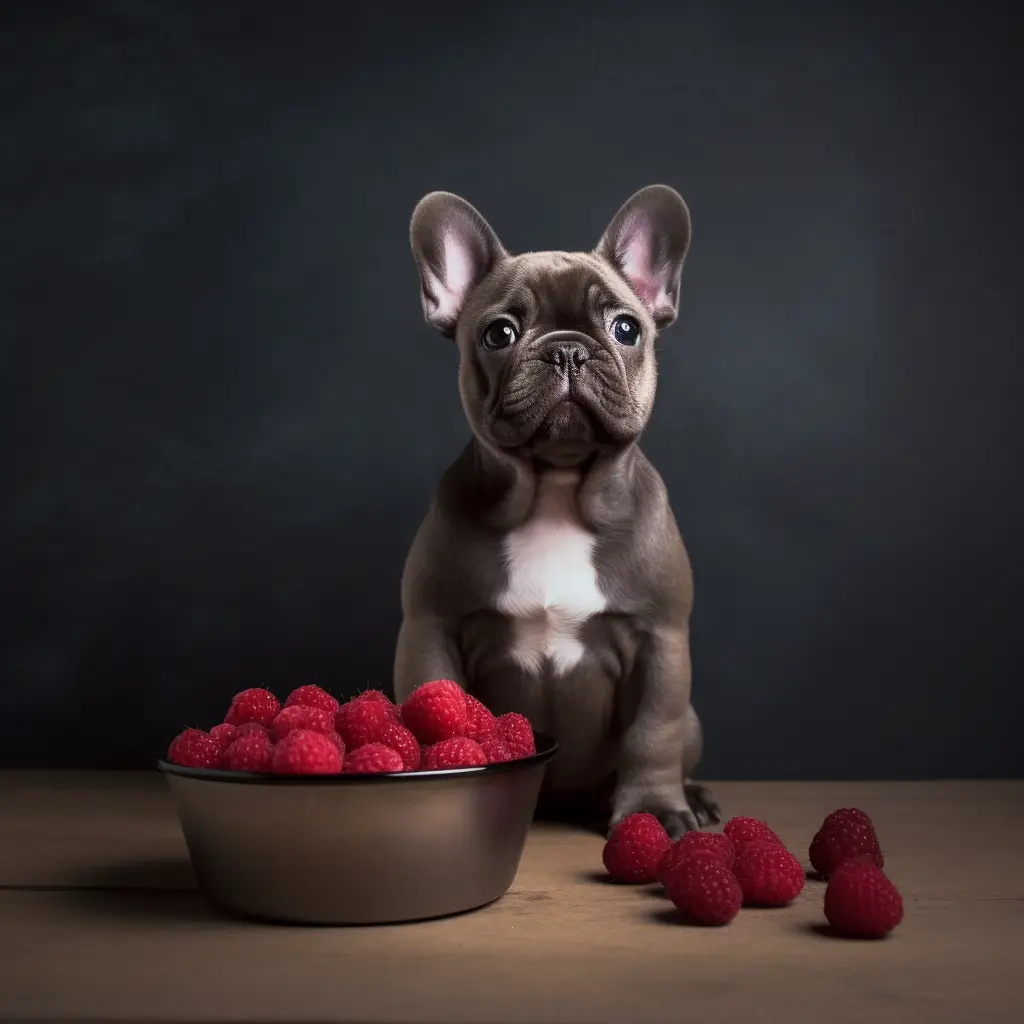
{"x": 549, "y": 576}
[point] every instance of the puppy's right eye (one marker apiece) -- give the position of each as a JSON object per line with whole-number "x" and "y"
{"x": 500, "y": 333}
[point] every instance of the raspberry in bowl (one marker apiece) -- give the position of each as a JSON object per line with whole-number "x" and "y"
{"x": 369, "y": 813}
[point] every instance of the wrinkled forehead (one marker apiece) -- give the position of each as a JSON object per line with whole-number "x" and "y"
{"x": 554, "y": 287}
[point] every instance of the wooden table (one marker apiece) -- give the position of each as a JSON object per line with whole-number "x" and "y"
{"x": 100, "y": 920}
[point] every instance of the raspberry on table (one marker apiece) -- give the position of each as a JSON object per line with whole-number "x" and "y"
{"x": 634, "y": 848}
{"x": 301, "y": 716}
{"x": 436, "y": 711}
{"x": 312, "y": 696}
{"x": 769, "y": 875}
{"x": 194, "y": 748}
{"x": 846, "y": 838}
{"x": 401, "y": 740}
{"x": 847, "y": 814}
{"x": 339, "y": 743}
{"x": 749, "y": 830}
{"x": 456, "y": 752}
{"x": 224, "y": 734}
{"x": 305, "y": 752}
{"x": 703, "y": 889}
{"x": 860, "y": 902}
{"x": 517, "y": 733}
{"x": 480, "y": 722}
{"x": 360, "y": 721}
{"x": 252, "y": 753}
{"x": 253, "y": 705}
{"x": 373, "y": 759}
{"x": 714, "y": 841}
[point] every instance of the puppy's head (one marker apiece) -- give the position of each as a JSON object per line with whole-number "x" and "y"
{"x": 557, "y": 356}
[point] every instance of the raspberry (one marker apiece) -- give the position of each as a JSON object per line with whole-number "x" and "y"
{"x": 224, "y": 734}
{"x": 253, "y": 753}
{"x": 254, "y": 705}
{"x": 436, "y": 711}
{"x": 378, "y": 698}
{"x": 398, "y": 738}
{"x": 634, "y": 848}
{"x": 769, "y": 875}
{"x": 749, "y": 830}
{"x": 300, "y": 716}
{"x": 517, "y": 733}
{"x": 457, "y": 752}
{"x": 339, "y": 743}
{"x": 373, "y": 758}
{"x": 861, "y": 902}
{"x": 495, "y": 749}
{"x": 194, "y": 749}
{"x": 703, "y": 889}
{"x": 480, "y": 723}
{"x": 714, "y": 841}
{"x": 305, "y": 752}
{"x": 311, "y": 696}
{"x": 360, "y": 721}
{"x": 848, "y": 837}
{"x": 845, "y": 814}
{"x": 252, "y": 729}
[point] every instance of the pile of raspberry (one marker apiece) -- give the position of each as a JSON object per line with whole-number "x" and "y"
{"x": 710, "y": 875}
{"x": 438, "y": 727}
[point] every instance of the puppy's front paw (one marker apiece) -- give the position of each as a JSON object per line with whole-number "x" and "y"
{"x": 704, "y": 805}
{"x": 669, "y": 807}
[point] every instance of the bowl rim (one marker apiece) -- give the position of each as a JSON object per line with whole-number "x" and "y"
{"x": 546, "y": 750}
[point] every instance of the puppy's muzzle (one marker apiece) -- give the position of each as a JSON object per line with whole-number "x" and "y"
{"x": 567, "y": 351}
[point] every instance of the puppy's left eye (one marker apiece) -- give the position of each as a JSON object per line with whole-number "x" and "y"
{"x": 625, "y": 330}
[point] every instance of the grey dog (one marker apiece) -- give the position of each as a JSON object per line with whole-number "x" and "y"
{"x": 549, "y": 576}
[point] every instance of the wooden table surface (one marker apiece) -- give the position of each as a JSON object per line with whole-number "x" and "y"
{"x": 100, "y": 920}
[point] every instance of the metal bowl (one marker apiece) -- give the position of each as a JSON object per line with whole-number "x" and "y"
{"x": 358, "y": 849}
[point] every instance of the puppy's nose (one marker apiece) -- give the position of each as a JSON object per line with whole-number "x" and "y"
{"x": 568, "y": 357}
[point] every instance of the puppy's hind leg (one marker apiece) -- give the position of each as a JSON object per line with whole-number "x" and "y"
{"x": 705, "y": 807}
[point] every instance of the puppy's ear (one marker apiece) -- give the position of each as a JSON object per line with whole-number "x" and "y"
{"x": 647, "y": 242}
{"x": 455, "y": 249}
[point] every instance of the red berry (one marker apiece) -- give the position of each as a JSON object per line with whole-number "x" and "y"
{"x": 457, "y": 752}
{"x": 339, "y": 743}
{"x": 305, "y": 752}
{"x": 252, "y": 729}
{"x": 769, "y": 875}
{"x": 847, "y": 814}
{"x": 847, "y": 838}
{"x": 311, "y": 696}
{"x": 714, "y": 841}
{"x": 300, "y": 716}
{"x": 634, "y": 849}
{"x": 495, "y": 749}
{"x": 517, "y": 733}
{"x": 749, "y": 830}
{"x": 401, "y": 740}
{"x": 372, "y": 759}
{"x": 377, "y": 697}
{"x": 253, "y": 753}
{"x": 224, "y": 734}
{"x": 703, "y": 888}
{"x": 436, "y": 711}
{"x": 360, "y": 721}
{"x": 194, "y": 748}
{"x": 253, "y": 705}
{"x": 861, "y": 902}
{"x": 480, "y": 723}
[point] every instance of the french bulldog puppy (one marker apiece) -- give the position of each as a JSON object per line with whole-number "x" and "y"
{"x": 549, "y": 576}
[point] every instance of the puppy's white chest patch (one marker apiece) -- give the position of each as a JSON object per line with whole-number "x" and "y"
{"x": 552, "y": 581}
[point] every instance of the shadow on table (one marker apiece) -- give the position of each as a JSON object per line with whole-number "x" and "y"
{"x": 159, "y": 890}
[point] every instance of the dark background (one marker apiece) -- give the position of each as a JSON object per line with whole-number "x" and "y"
{"x": 223, "y": 415}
